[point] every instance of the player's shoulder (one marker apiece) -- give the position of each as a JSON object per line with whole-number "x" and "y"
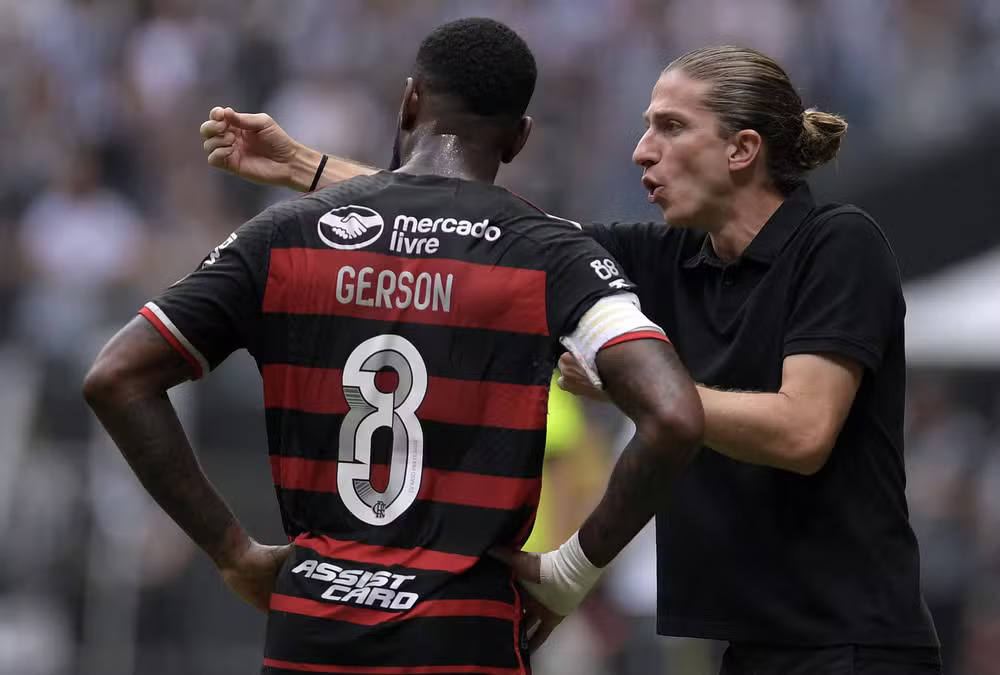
{"x": 345, "y": 207}
{"x": 357, "y": 189}
{"x": 524, "y": 219}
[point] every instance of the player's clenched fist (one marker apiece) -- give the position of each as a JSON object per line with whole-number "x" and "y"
{"x": 250, "y": 145}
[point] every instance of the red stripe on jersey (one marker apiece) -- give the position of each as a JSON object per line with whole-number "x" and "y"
{"x": 636, "y": 335}
{"x": 489, "y": 609}
{"x": 351, "y": 283}
{"x": 526, "y": 201}
{"x": 392, "y": 670}
{"x": 436, "y": 485}
{"x": 162, "y": 329}
{"x": 518, "y": 618}
{"x": 468, "y": 402}
{"x": 386, "y": 556}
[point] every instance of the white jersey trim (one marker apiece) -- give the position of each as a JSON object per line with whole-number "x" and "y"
{"x": 609, "y": 318}
{"x": 202, "y": 361}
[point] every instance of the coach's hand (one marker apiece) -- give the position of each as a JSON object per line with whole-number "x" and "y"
{"x": 250, "y": 145}
{"x": 251, "y": 573}
{"x": 573, "y": 379}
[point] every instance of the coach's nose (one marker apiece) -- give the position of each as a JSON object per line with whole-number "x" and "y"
{"x": 645, "y": 154}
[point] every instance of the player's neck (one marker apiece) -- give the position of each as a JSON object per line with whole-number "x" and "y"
{"x": 744, "y": 218}
{"x": 452, "y": 156}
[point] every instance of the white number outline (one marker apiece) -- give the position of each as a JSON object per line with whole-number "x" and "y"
{"x": 371, "y": 409}
{"x": 604, "y": 269}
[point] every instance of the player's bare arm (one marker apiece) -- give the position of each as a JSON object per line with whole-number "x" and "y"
{"x": 647, "y": 381}
{"x": 794, "y": 429}
{"x": 253, "y": 146}
{"x": 127, "y": 389}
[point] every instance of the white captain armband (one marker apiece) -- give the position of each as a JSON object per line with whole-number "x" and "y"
{"x": 616, "y": 318}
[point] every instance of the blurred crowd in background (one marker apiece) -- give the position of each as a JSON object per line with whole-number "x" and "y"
{"x": 105, "y": 198}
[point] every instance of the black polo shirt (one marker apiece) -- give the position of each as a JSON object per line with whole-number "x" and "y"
{"x": 753, "y": 554}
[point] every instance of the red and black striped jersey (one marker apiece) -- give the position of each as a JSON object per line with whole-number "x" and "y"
{"x": 406, "y": 328}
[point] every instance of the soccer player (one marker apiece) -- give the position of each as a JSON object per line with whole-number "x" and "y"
{"x": 406, "y": 326}
{"x": 790, "y": 540}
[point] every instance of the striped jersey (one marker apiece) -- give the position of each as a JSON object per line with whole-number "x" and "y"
{"x": 406, "y": 329}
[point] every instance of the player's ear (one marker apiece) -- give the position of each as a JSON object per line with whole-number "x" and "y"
{"x": 411, "y": 104}
{"x": 518, "y": 141}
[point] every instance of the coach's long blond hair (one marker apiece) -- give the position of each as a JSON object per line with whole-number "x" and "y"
{"x": 749, "y": 90}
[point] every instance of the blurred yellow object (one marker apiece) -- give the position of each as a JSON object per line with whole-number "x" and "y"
{"x": 571, "y": 475}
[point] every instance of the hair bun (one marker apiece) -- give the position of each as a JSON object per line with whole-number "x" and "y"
{"x": 821, "y": 136}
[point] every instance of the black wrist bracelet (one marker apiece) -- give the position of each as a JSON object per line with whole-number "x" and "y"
{"x": 319, "y": 172}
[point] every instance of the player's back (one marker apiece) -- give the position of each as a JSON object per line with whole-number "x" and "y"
{"x": 406, "y": 357}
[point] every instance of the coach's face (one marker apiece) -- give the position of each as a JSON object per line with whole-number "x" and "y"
{"x": 684, "y": 158}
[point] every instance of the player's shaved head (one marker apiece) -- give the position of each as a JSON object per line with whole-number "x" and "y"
{"x": 483, "y": 66}
{"x": 473, "y": 78}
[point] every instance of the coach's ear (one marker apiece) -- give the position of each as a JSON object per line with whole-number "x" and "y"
{"x": 410, "y": 107}
{"x": 518, "y": 141}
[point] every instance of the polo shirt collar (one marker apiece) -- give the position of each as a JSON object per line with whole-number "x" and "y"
{"x": 766, "y": 246}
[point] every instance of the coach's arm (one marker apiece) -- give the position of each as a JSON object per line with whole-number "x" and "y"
{"x": 253, "y": 146}
{"x": 127, "y": 390}
{"x": 793, "y": 429}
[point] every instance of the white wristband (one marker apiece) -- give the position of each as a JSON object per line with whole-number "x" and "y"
{"x": 566, "y": 577}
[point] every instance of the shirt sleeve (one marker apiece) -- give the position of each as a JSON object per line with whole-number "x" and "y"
{"x": 849, "y": 300}
{"x": 578, "y": 273}
{"x": 216, "y": 310}
{"x": 628, "y": 243}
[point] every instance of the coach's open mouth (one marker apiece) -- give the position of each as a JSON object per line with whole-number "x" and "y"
{"x": 654, "y": 189}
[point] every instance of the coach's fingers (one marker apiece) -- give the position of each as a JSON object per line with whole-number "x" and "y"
{"x": 215, "y": 142}
{"x": 220, "y": 157}
{"x": 210, "y": 128}
{"x": 568, "y": 365}
{"x": 248, "y": 121}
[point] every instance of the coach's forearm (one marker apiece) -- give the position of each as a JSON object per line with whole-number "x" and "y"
{"x": 759, "y": 428}
{"x": 337, "y": 169}
{"x": 149, "y": 435}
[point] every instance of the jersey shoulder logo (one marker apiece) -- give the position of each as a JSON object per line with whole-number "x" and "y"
{"x": 350, "y": 227}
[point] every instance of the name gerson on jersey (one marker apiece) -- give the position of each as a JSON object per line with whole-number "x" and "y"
{"x": 406, "y": 328}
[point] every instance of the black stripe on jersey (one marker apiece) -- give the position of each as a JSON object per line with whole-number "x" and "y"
{"x": 430, "y": 641}
{"x": 461, "y": 353}
{"x": 498, "y": 452}
{"x": 448, "y": 528}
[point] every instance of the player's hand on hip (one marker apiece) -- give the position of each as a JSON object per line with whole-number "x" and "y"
{"x": 251, "y": 574}
{"x": 573, "y": 378}
{"x": 539, "y": 619}
{"x": 250, "y": 145}
{"x": 557, "y": 582}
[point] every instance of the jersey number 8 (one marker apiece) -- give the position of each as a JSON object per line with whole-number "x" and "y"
{"x": 372, "y": 409}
